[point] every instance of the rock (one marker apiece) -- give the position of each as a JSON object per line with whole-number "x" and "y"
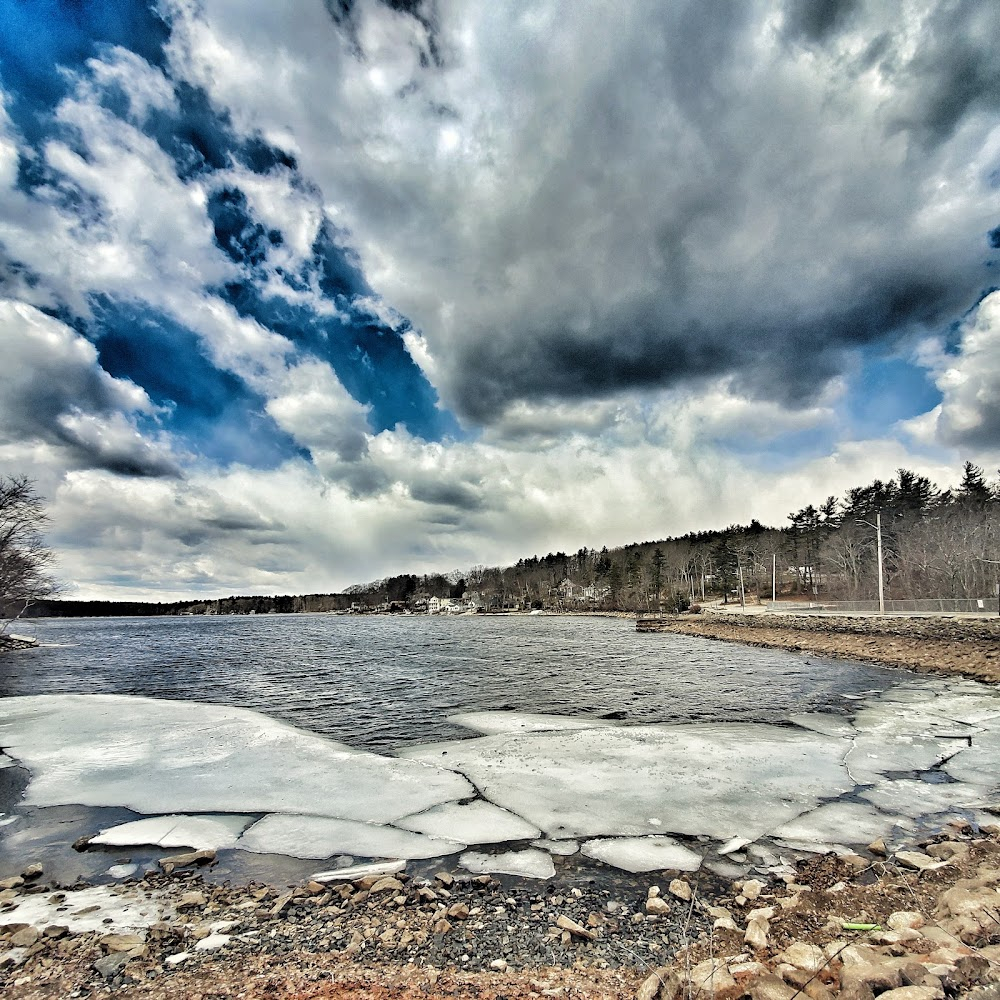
{"x": 122, "y": 942}
{"x": 184, "y": 860}
{"x": 281, "y": 902}
{"x": 771, "y": 987}
{"x": 458, "y": 911}
{"x": 901, "y": 919}
{"x": 110, "y": 965}
{"x": 752, "y": 888}
{"x": 661, "y": 983}
{"x": 578, "y": 930}
{"x": 948, "y": 849}
{"x": 878, "y": 847}
{"x": 12, "y": 957}
{"x": 652, "y": 892}
{"x": 445, "y": 878}
{"x": 803, "y": 956}
{"x": 387, "y": 884}
{"x": 25, "y": 937}
{"x": 913, "y": 993}
{"x": 756, "y": 934}
{"x": 709, "y": 978}
{"x": 657, "y": 905}
{"x": 681, "y": 889}
{"x": 442, "y": 926}
{"x": 32, "y": 871}
{"x": 191, "y": 900}
{"x": 499, "y": 964}
{"x": 917, "y": 861}
{"x": 55, "y": 931}
{"x": 11, "y": 883}
{"x": 879, "y": 976}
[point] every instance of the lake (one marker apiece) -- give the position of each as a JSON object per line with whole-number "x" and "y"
{"x": 383, "y": 682}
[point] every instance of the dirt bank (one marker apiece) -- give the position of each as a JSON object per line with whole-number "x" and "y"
{"x": 966, "y": 646}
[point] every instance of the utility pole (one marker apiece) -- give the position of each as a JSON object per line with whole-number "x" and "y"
{"x": 881, "y": 582}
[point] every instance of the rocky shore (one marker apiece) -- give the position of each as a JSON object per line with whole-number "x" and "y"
{"x": 969, "y": 647}
{"x": 916, "y": 924}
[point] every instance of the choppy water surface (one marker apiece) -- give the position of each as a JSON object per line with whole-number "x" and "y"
{"x": 382, "y": 682}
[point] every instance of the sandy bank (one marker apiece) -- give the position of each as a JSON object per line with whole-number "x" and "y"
{"x": 969, "y": 647}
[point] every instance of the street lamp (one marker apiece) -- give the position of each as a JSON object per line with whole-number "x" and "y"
{"x": 878, "y": 532}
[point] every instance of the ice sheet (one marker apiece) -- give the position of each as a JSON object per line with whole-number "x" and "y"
{"x": 170, "y": 756}
{"x": 822, "y": 722}
{"x": 719, "y": 780}
{"x": 642, "y": 854}
{"x": 475, "y": 823}
{"x": 528, "y": 863}
{"x": 200, "y": 833}
{"x": 321, "y": 837}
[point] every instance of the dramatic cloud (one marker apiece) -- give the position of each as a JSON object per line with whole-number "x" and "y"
{"x": 292, "y": 299}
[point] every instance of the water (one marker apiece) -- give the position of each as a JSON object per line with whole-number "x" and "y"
{"x": 382, "y": 682}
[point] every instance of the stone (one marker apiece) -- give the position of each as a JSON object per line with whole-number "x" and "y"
{"x": 752, "y": 888}
{"x": 55, "y": 931}
{"x": 771, "y": 987}
{"x": 122, "y": 942}
{"x": 442, "y": 926}
{"x": 199, "y": 858}
{"x": 577, "y": 930}
{"x": 25, "y": 937}
{"x": 387, "y": 884}
{"x": 499, "y": 964}
{"x": 908, "y": 919}
{"x": 110, "y": 965}
{"x": 458, "y": 911}
{"x": 878, "y": 847}
{"x": 913, "y": 993}
{"x": 191, "y": 900}
{"x": 879, "y": 976}
{"x": 32, "y": 871}
{"x": 756, "y": 934}
{"x": 661, "y": 983}
{"x": 681, "y": 889}
{"x": 11, "y": 883}
{"x": 445, "y": 878}
{"x": 803, "y": 956}
{"x": 918, "y": 861}
{"x": 657, "y": 905}
{"x": 710, "y": 978}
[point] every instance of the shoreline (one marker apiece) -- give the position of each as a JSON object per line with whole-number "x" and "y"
{"x": 923, "y": 917}
{"x": 966, "y": 647}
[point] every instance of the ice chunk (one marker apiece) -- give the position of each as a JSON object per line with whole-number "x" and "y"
{"x": 475, "y": 823}
{"x": 122, "y": 871}
{"x": 921, "y": 798}
{"x": 495, "y": 723}
{"x": 564, "y": 848}
{"x": 838, "y": 822}
{"x": 732, "y": 845}
{"x": 720, "y": 780}
{"x": 102, "y": 908}
{"x": 642, "y": 854}
{"x": 360, "y": 871}
{"x": 200, "y": 833}
{"x": 155, "y": 756}
{"x": 528, "y": 863}
{"x": 321, "y": 837}
{"x": 6, "y": 761}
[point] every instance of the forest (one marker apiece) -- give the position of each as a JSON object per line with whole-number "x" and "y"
{"x": 936, "y": 543}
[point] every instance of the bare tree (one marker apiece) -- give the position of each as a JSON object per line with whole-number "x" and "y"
{"x": 24, "y": 557}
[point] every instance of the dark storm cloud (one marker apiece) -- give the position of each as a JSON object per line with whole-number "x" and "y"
{"x": 695, "y": 199}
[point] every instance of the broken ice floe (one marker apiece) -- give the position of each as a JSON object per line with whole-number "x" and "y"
{"x": 321, "y": 837}
{"x": 200, "y": 833}
{"x": 537, "y": 777}
{"x": 529, "y": 863}
{"x": 642, "y": 854}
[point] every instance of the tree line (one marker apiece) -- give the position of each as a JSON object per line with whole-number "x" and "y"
{"x": 937, "y": 543}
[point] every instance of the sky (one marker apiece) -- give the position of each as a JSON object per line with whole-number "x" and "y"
{"x": 299, "y": 295}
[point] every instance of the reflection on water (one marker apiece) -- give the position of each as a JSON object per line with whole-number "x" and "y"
{"x": 381, "y": 682}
